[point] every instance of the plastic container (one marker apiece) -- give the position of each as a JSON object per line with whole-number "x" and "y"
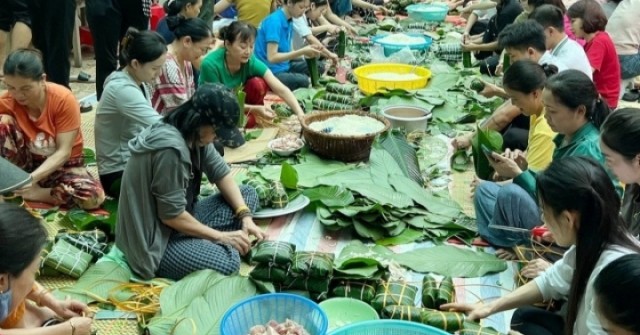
{"x": 259, "y": 310}
{"x": 410, "y": 118}
{"x": 370, "y": 86}
{"x": 435, "y": 12}
{"x": 345, "y": 311}
{"x": 388, "y": 327}
{"x": 390, "y": 49}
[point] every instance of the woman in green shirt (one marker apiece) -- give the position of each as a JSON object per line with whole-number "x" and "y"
{"x": 575, "y": 111}
{"x": 235, "y": 65}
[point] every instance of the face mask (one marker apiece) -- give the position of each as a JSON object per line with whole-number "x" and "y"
{"x": 5, "y": 303}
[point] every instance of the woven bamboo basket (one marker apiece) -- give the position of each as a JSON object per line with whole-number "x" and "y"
{"x": 341, "y": 148}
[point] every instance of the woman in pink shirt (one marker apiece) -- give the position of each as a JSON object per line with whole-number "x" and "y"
{"x": 588, "y": 21}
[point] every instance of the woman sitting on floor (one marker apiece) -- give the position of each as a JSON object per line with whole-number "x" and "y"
{"x": 26, "y": 307}
{"x": 617, "y": 301}
{"x": 273, "y": 46}
{"x": 125, "y": 107}
{"x": 620, "y": 144}
{"x": 163, "y": 229}
{"x": 573, "y": 110}
{"x": 40, "y": 133}
{"x": 581, "y": 208}
{"x": 176, "y": 83}
{"x": 235, "y": 65}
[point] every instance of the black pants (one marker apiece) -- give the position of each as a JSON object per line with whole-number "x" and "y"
{"x": 537, "y": 321}
{"x": 12, "y": 11}
{"x": 297, "y": 76}
{"x": 108, "y": 22}
{"x": 52, "y": 24}
{"x": 111, "y": 183}
{"x": 516, "y": 135}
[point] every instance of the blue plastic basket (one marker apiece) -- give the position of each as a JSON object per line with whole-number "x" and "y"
{"x": 259, "y": 310}
{"x": 428, "y": 12}
{"x": 390, "y": 49}
{"x": 388, "y": 327}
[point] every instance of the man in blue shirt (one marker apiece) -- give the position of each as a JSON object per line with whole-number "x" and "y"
{"x": 273, "y": 45}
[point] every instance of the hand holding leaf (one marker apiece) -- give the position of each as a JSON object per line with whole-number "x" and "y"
{"x": 474, "y": 312}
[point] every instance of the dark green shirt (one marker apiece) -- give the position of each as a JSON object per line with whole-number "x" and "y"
{"x": 585, "y": 143}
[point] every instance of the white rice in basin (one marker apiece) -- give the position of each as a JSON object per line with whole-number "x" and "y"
{"x": 348, "y": 125}
{"x": 401, "y": 39}
{"x": 392, "y": 76}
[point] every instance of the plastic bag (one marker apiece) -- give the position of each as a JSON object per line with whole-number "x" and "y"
{"x": 402, "y": 56}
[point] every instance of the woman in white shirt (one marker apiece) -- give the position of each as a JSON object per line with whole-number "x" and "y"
{"x": 581, "y": 208}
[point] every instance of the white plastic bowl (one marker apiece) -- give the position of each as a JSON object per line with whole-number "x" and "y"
{"x": 408, "y": 117}
{"x": 284, "y": 153}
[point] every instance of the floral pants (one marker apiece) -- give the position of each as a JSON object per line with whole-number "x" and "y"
{"x": 71, "y": 184}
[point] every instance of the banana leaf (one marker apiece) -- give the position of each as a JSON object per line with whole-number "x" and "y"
{"x": 429, "y": 292}
{"x": 241, "y": 95}
{"x": 361, "y": 290}
{"x": 269, "y": 272}
{"x": 330, "y": 196}
{"x": 473, "y": 328}
{"x": 446, "y": 292}
{"x": 67, "y": 259}
{"x": 460, "y": 161}
{"x": 449, "y": 321}
{"x": 274, "y": 252}
{"x": 492, "y": 140}
{"x": 313, "y": 264}
{"x": 394, "y": 293}
{"x": 96, "y": 284}
{"x": 316, "y": 285}
{"x": 404, "y": 154}
{"x": 196, "y": 304}
{"x": 450, "y": 261}
{"x": 406, "y": 313}
{"x": 388, "y": 24}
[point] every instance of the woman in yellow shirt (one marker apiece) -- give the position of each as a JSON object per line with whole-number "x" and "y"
{"x": 524, "y": 82}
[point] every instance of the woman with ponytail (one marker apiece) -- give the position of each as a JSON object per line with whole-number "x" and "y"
{"x": 125, "y": 107}
{"x": 580, "y": 206}
{"x": 575, "y": 111}
{"x": 186, "y": 8}
{"x": 620, "y": 144}
{"x": 177, "y": 83}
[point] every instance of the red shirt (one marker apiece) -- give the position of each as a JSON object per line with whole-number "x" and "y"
{"x": 604, "y": 59}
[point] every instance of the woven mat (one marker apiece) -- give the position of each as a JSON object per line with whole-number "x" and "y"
{"x": 461, "y": 191}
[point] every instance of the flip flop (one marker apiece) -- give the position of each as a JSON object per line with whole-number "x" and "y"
{"x": 85, "y": 107}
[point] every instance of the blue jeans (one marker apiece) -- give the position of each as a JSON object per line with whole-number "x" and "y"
{"x": 629, "y": 65}
{"x": 509, "y": 205}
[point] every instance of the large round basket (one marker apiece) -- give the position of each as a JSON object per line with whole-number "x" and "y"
{"x": 259, "y": 310}
{"x": 337, "y": 147}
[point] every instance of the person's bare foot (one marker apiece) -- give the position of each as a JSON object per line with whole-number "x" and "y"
{"x": 506, "y": 254}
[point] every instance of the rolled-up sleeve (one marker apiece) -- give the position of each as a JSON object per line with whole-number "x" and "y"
{"x": 556, "y": 281}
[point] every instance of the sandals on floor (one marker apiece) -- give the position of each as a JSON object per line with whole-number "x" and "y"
{"x": 631, "y": 95}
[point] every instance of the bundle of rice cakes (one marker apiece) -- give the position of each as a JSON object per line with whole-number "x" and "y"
{"x": 270, "y": 195}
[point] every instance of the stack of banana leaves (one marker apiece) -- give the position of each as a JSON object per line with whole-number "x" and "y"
{"x": 384, "y": 200}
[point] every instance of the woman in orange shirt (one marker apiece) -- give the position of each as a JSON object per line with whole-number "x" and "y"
{"x": 40, "y": 133}
{"x": 26, "y": 307}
